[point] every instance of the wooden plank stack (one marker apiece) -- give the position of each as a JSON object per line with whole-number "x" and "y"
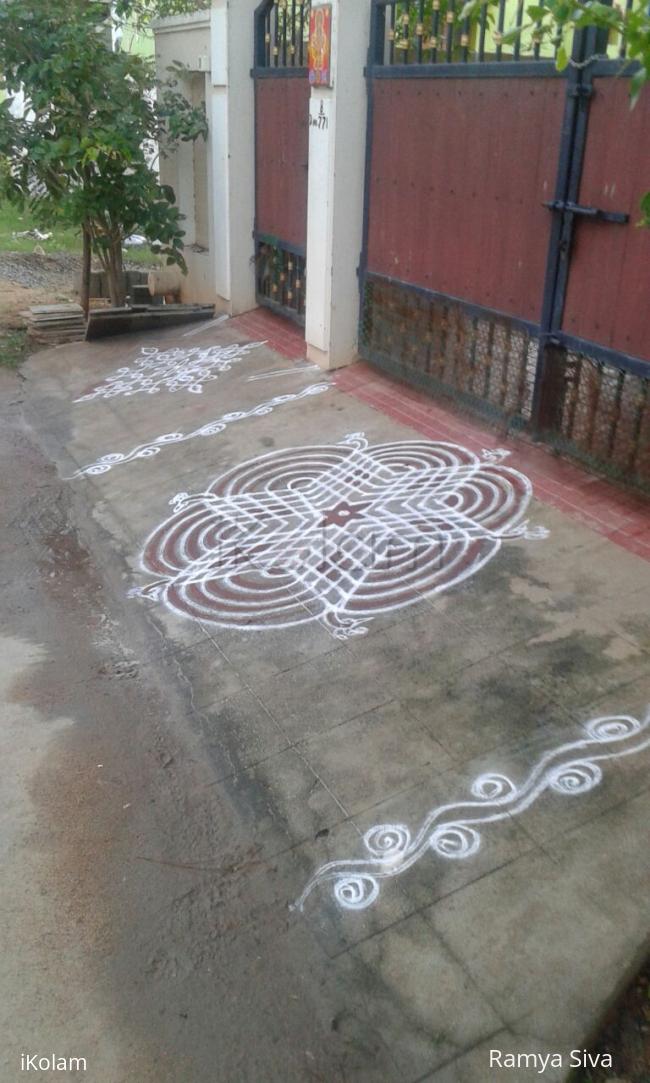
{"x": 54, "y": 324}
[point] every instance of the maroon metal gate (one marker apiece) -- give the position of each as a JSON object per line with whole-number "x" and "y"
{"x": 501, "y": 262}
{"x": 281, "y": 154}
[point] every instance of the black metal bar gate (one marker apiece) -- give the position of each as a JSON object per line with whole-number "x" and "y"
{"x": 479, "y": 272}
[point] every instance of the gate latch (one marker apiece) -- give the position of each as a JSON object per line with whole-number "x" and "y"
{"x": 588, "y": 212}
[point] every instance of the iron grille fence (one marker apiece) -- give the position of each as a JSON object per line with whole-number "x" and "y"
{"x": 430, "y": 32}
{"x": 599, "y": 413}
{"x": 280, "y": 278}
{"x": 592, "y": 410}
{"x": 466, "y": 353}
{"x": 282, "y": 31}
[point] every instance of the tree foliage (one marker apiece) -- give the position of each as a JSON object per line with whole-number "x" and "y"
{"x": 139, "y": 13}
{"x": 556, "y": 21}
{"x": 80, "y": 154}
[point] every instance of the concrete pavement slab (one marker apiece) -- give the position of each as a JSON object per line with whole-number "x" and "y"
{"x": 320, "y": 694}
{"x": 262, "y": 657}
{"x": 420, "y": 998}
{"x": 617, "y": 862}
{"x": 239, "y": 733}
{"x": 483, "y": 706}
{"x": 375, "y": 755}
{"x": 574, "y": 668}
{"x": 280, "y": 802}
{"x": 300, "y": 742}
{"x": 544, "y": 933}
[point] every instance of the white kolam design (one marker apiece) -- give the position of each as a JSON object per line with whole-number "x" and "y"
{"x": 452, "y": 831}
{"x": 334, "y": 533}
{"x": 211, "y": 428}
{"x": 179, "y": 368}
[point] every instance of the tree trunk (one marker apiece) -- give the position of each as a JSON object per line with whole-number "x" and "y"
{"x": 85, "y": 272}
{"x": 115, "y": 268}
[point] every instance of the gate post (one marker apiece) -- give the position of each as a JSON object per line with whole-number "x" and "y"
{"x": 232, "y": 167}
{"x": 337, "y": 141}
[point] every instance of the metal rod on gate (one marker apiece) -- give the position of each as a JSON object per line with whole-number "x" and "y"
{"x": 464, "y": 40}
{"x": 449, "y": 30}
{"x": 521, "y": 382}
{"x": 520, "y": 19}
{"x": 482, "y": 30}
{"x": 548, "y": 391}
{"x": 500, "y": 25}
{"x": 391, "y": 33}
{"x": 616, "y": 413}
{"x": 537, "y": 37}
{"x": 435, "y": 27}
{"x": 291, "y": 275}
{"x": 304, "y": 4}
{"x": 638, "y": 423}
{"x": 419, "y": 30}
{"x": 406, "y": 30}
{"x": 293, "y": 33}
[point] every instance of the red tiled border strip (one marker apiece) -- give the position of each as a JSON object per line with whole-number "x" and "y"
{"x": 281, "y": 335}
{"x": 618, "y": 515}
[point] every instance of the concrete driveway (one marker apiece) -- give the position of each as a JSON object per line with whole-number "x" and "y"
{"x": 328, "y": 741}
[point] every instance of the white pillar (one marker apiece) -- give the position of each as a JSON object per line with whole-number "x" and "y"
{"x": 232, "y": 142}
{"x": 337, "y": 147}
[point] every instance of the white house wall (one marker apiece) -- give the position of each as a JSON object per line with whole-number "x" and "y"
{"x": 186, "y": 39}
{"x": 219, "y": 44}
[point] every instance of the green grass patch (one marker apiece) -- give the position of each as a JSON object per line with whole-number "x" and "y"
{"x": 62, "y": 240}
{"x": 13, "y": 348}
{"x": 14, "y": 221}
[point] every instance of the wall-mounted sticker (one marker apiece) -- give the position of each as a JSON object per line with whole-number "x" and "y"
{"x": 320, "y": 45}
{"x": 211, "y": 428}
{"x": 451, "y": 831}
{"x": 335, "y": 533}
{"x": 179, "y": 368}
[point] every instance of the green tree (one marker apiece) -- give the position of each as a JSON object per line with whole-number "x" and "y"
{"x": 145, "y": 10}
{"x": 93, "y": 116}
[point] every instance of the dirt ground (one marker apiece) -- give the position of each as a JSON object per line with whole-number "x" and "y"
{"x": 27, "y": 279}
